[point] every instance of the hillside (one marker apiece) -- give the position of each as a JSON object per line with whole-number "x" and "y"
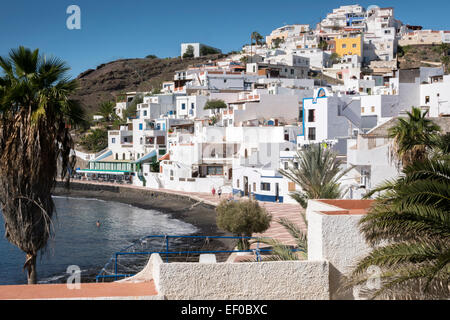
{"x": 119, "y": 76}
{"x": 420, "y": 56}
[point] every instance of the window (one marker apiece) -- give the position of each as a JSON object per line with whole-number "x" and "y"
{"x": 427, "y": 99}
{"x": 254, "y": 186}
{"x": 286, "y": 165}
{"x": 344, "y": 46}
{"x": 372, "y": 109}
{"x": 224, "y": 80}
{"x": 237, "y": 183}
{"x": 123, "y": 156}
{"x": 141, "y": 127}
{"x": 362, "y": 110}
{"x": 354, "y": 45}
{"x": 183, "y": 106}
{"x": 192, "y": 105}
{"x": 312, "y": 134}
{"x": 214, "y": 171}
{"x": 292, "y": 71}
{"x": 265, "y": 186}
{"x": 113, "y": 140}
{"x": 311, "y": 115}
{"x": 117, "y": 156}
{"x": 145, "y": 113}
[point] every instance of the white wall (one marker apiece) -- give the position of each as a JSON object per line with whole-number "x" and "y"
{"x": 284, "y": 280}
{"x": 337, "y": 239}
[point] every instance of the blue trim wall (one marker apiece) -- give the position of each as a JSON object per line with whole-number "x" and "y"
{"x": 259, "y": 197}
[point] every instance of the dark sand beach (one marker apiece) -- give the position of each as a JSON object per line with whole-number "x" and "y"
{"x": 202, "y": 216}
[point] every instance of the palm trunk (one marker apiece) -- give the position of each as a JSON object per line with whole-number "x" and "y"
{"x": 30, "y": 265}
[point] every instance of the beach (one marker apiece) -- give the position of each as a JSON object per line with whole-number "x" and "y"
{"x": 202, "y": 216}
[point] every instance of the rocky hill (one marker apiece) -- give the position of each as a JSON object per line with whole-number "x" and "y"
{"x": 420, "y": 56}
{"x": 113, "y": 78}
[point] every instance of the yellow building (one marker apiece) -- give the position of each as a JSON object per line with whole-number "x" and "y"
{"x": 349, "y": 45}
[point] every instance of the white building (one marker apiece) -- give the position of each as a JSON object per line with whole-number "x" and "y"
{"x": 327, "y": 118}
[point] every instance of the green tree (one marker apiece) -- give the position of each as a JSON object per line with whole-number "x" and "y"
{"x": 323, "y": 45}
{"x": 413, "y": 136}
{"x": 204, "y": 51}
{"x": 131, "y": 110}
{"x": 283, "y": 252}
{"x": 189, "y": 53}
{"x": 107, "y": 111}
{"x": 409, "y": 226}
{"x": 317, "y": 173}
{"x": 445, "y": 62}
{"x": 334, "y": 58}
{"x": 95, "y": 141}
{"x": 242, "y": 218}
{"x": 36, "y": 115}
{"x": 215, "y": 104}
{"x": 257, "y": 38}
{"x": 276, "y": 42}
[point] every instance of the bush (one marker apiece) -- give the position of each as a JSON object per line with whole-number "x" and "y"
{"x": 151, "y": 56}
{"x": 215, "y": 104}
{"x": 189, "y": 52}
{"x": 96, "y": 141}
{"x": 242, "y": 218}
{"x": 204, "y": 51}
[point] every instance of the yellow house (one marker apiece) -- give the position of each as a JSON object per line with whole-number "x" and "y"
{"x": 349, "y": 45}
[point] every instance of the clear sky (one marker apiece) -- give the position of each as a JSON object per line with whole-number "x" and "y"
{"x": 135, "y": 28}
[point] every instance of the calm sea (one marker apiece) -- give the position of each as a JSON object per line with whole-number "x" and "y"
{"x": 78, "y": 240}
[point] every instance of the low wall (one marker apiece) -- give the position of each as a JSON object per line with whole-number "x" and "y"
{"x": 278, "y": 280}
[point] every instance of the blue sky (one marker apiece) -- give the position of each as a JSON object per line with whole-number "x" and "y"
{"x": 135, "y": 28}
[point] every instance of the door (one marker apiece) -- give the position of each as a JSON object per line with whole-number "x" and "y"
{"x": 277, "y": 192}
{"x": 246, "y": 186}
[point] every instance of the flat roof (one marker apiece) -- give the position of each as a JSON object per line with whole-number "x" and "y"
{"x": 348, "y": 207}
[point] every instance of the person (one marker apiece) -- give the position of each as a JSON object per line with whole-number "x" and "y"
{"x": 219, "y": 192}
{"x": 98, "y": 224}
{"x": 213, "y": 191}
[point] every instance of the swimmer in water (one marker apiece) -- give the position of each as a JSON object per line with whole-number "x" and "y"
{"x": 98, "y": 224}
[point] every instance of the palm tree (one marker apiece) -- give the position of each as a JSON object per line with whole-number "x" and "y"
{"x": 445, "y": 62}
{"x": 413, "y": 136}
{"x": 36, "y": 115}
{"x": 107, "y": 111}
{"x": 282, "y": 252}
{"x": 409, "y": 225}
{"x": 317, "y": 173}
{"x": 257, "y": 37}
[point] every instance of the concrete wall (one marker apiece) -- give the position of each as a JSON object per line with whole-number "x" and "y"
{"x": 337, "y": 239}
{"x": 283, "y": 280}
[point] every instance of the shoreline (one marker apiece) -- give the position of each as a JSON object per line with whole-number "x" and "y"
{"x": 177, "y": 206}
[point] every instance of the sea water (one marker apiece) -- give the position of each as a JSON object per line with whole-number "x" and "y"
{"x": 79, "y": 241}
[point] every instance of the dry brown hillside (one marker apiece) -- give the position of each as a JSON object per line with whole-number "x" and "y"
{"x": 420, "y": 56}
{"x": 110, "y": 79}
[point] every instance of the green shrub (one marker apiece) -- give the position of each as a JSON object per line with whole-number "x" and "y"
{"x": 96, "y": 141}
{"x": 242, "y": 218}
